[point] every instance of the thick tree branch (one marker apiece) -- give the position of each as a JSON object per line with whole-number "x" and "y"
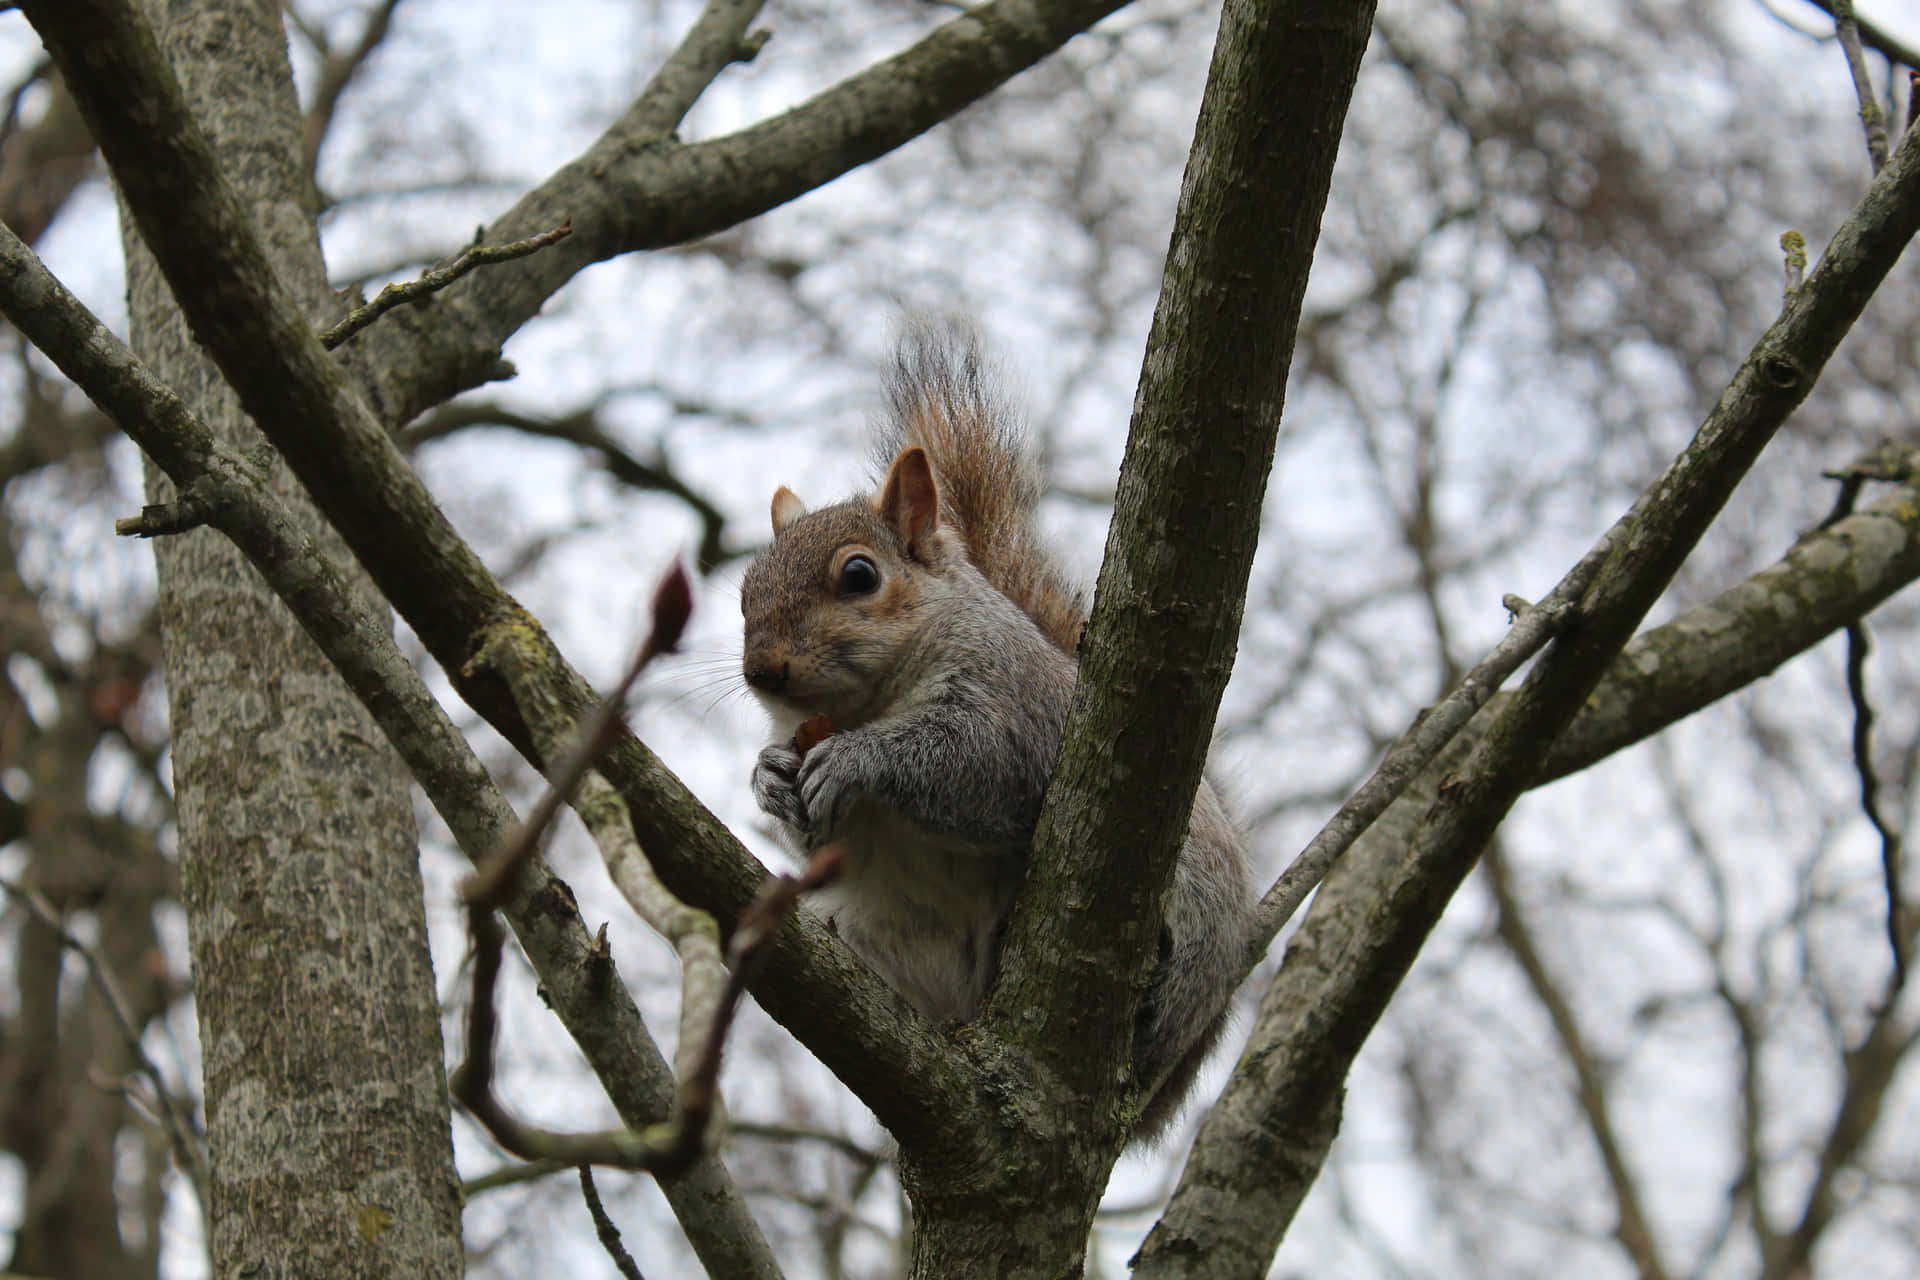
{"x": 1266, "y": 1132}
{"x": 590, "y": 1000}
{"x": 1083, "y": 936}
{"x": 1835, "y": 575}
{"x": 1167, "y": 609}
{"x": 637, "y": 187}
{"x": 238, "y": 309}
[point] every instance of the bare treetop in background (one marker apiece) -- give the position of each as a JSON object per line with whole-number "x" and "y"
{"x": 1651, "y": 1021}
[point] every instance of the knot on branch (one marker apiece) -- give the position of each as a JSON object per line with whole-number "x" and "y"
{"x": 1780, "y": 372}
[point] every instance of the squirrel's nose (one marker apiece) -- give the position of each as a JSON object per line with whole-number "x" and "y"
{"x": 765, "y": 673}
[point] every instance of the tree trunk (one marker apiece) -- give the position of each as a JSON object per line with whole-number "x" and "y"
{"x": 327, "y": 1119}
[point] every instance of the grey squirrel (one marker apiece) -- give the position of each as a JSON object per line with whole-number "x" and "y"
{"x": 926, "y": 633}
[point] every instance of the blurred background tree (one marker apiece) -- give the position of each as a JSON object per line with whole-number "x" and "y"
{"x": 1657, "y": 1035}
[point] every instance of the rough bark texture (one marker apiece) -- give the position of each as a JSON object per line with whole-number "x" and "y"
{"x": 326, "y": 1108}
{"x": 1166, "y": 615}
{"x": 1161, "y": 642}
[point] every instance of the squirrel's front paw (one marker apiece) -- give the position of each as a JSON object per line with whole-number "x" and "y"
{"x": 776, "y": 786}
{"x": 827, "y": 783}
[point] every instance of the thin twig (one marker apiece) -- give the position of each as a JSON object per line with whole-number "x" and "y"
{"x": 708, "y": 996}
{"x": 186, "y": 512}
{"x": 660, "y": 1148}
{"x": 586, "y": 428}
{"x": 511, "y": 1175}
{"x": 603, "y": 1227}
{"x": 1858, "y": 647}
{"x": 1894, "y": 49}
{"x": 1868, "y": 1072}
{"x": 1632, "y": 1227}
{"x": 493, "y": 879}
{"x": 1871, "y": 118}
{"x": 1889, "y": 462}
{"x": 694, "y": 934}
{"x": 746, "y": 952}
{"x": 791, "y": 1133}
{"x": 432, "y": 282}
{"x": 189, "y": 1151}
{"x": 337, "y": 71}
{"x": 1795, "y": 247}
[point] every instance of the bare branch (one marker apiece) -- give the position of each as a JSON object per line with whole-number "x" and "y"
{"x": 1895, "y": 49}
{"x": 337, "y": 71}
{"x": 189, "y": 1147}
{"x": 42, "y": 166}
{"x": 1869, "y": 1071}
{"x": 1872, "y": 119}
{"x": 1423, "y": 742}
{"x": 1894, "y": 462}
{"x": 511, "y": 1175}
{"x": 489, "y": 884}
{"x": 1168, "y": 606}
{"x": 603, "y": 1227}
{"x": 1858, "y": 646}
{"x": 661, "y": 1148}
{"x": 635, "y": 189}
{"x": 1316, "y": 1014}
{"x": 586, "y": 428}
{"x": 789, "y": 1133}
{"x": 717, "y": 39}
{"x": 1829, "y": 578}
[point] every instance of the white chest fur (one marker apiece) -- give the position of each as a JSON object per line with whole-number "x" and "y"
{"x": 925, "y": 910}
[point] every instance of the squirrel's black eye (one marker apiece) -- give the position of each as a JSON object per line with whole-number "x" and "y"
{"x": 859, "y": 576}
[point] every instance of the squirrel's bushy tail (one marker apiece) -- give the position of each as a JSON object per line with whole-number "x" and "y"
{"x": 942, "y": 396}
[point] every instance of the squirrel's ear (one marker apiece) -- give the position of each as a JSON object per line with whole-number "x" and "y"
{"x": 787, "y": 508}
{"x": 909, "y": 501}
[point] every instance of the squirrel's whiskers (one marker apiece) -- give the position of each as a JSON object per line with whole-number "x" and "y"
{"x": 703, "y": 678}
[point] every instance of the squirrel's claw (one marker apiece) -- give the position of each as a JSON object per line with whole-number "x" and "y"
{"x": 824, "y": 785}
{"x": 775, "y": 786}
